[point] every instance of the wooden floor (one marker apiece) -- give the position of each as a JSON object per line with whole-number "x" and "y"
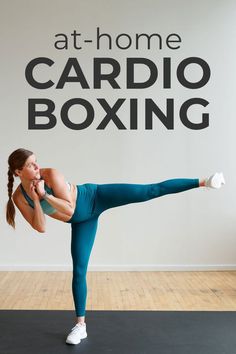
{"x": 121, "y": 290}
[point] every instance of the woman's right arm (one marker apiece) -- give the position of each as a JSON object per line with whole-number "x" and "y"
{"x": 35, "y": 217}
{"x": 39, "y": 220}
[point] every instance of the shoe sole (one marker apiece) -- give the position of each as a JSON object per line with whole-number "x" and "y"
{"x": 83, "y": 337}
{"x": 223, "y": 178}
{"x": 72, "y": 343}
{"x": 222, "y": 181}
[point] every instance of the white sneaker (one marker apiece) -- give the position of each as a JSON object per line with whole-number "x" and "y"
{"x": 215, "y": 181}
{"x": 77, "y": 333}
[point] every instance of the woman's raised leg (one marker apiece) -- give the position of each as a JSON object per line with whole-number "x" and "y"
{"x": 117, "y": 194}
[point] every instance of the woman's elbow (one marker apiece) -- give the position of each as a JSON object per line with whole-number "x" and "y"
{"x": 70, "y": 211}
{"x": 41, "y": 230}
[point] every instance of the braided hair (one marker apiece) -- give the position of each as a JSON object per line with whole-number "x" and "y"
{"x": 15, "y": 161}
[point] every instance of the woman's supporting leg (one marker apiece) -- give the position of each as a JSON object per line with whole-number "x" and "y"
{"x": 83, "y": 235}
{"x": 113, "y": 195}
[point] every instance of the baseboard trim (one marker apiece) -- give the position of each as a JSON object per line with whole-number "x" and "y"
{"x": 121, "y": 268}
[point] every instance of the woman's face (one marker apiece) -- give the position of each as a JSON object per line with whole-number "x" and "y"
{"x": 30, "y": 169}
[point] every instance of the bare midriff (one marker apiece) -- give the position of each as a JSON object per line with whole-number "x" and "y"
{"x": 61, "y": 216}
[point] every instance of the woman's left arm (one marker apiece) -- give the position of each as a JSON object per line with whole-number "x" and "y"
{"x": 63, "y": 201}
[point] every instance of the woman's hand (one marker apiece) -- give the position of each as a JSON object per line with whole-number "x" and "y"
{"x": 33, "y": 193}
{"x": 37, "y": 190}
{"x": 39, "y": 187}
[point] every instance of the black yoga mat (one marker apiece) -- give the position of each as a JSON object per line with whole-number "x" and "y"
{"x": 119, "y": 332}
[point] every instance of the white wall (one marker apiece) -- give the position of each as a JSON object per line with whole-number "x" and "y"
{"x": 191, "y": 230}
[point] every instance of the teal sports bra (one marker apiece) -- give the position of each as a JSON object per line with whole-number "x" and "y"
{"x": 46, "y": 207}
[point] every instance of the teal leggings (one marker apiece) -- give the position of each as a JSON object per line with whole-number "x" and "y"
{"x": 92, "y": 200}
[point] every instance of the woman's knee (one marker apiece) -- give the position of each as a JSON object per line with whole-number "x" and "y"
{"x": 79, "y": 272}
{"x": 155, "y": 190}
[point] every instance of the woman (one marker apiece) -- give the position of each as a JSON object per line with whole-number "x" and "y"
{"x": 45, "y": 191}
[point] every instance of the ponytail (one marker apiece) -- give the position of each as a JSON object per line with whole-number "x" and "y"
{"x": 10, "y": 208}
{"x": 15, "y": 161}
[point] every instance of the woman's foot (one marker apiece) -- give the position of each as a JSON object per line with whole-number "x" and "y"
{"x": 215, "y": 181}
{"x": 77, "y": 333}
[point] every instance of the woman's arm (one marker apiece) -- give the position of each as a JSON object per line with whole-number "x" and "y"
{"x": 39, "y": 220}
{"x": 62, "y": 201}
{"x": 35, "y": 217}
